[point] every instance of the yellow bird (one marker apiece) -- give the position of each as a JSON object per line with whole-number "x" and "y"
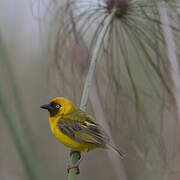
{"x": 76, "y": 129}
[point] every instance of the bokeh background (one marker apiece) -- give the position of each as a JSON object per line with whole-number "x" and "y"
{"x": 37, "y": 64}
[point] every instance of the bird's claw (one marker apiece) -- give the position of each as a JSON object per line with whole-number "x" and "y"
{"x": 71, "y": 153}
{"x": 73, "y": 166}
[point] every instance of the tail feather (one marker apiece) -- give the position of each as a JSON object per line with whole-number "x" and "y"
{"x": 116, "y": 151}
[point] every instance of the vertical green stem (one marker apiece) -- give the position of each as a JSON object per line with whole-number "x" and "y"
{"x": 88, "y": 82}
{"x": 30, "y": 164}
{"x": 14, "y": 86}
{"x": 24, "y": 150}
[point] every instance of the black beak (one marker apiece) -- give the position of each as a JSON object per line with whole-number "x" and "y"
{"x": 46, "y": 106}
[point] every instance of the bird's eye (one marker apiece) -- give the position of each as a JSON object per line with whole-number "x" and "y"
{"x": 57, "y": 106}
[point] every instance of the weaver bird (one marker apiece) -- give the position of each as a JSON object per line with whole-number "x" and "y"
{"x": 76, "y": 129}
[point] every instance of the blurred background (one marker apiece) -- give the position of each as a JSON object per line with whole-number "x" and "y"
{"x": 45, "y": 52}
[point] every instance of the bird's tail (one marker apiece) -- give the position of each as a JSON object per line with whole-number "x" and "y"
{"x": 116, "y": 151}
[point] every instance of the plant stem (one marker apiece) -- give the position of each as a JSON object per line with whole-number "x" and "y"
{"x": 88, "y": 82}
{"x": 171, "y": 53}
{"x": 93, "y": 61}
{"x": 14, "y": 86}
{"x": 24, "y": 150}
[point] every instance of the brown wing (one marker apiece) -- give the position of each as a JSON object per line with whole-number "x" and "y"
{"x": 82, "y": 128}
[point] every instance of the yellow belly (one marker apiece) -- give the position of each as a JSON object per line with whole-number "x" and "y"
{"x": 67, "y": 141}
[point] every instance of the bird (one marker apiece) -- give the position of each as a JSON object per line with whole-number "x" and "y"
{"x": 77, "y": 129}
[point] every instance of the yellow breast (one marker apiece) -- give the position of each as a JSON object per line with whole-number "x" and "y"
{"x": 67, "y": 141}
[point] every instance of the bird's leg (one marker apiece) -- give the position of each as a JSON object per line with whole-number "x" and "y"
{"x": 76, "y": 165}
{"x": 71, "y": 153}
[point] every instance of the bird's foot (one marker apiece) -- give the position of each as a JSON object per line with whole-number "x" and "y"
{"x": 73, "y": 166}
{"x": 71, "y": 153}
{"x": 76, "y": 165}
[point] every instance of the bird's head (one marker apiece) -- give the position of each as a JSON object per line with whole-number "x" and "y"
{"x": 59, "y": 106}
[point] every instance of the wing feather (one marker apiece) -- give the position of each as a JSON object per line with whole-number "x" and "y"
{"x": 82, "y": 128}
